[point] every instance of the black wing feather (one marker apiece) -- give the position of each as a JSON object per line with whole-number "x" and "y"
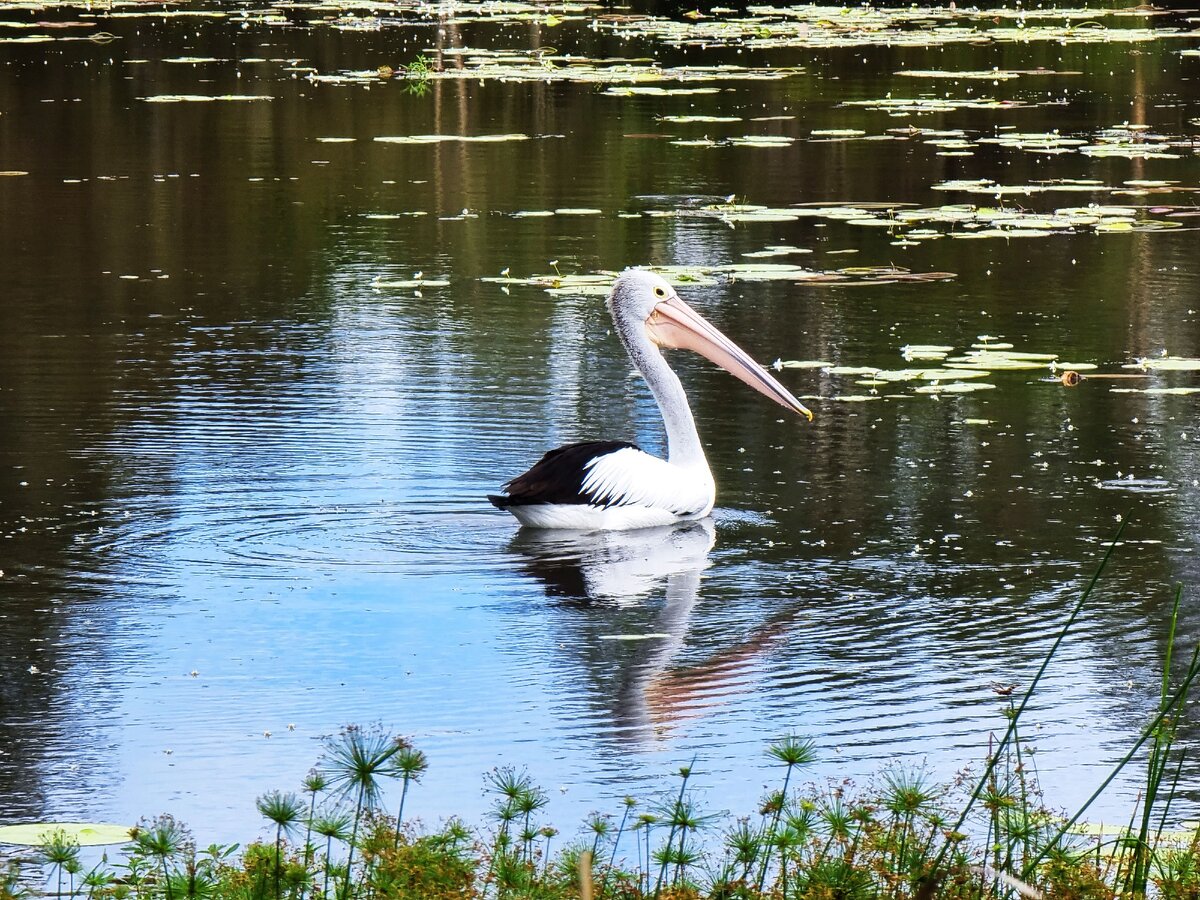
{"x": 558, "y": 476}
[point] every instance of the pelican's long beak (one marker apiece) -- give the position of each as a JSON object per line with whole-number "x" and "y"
{"x": 676, "y": 325}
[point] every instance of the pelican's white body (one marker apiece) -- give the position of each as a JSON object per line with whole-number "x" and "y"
{"x": 638, "y": 490}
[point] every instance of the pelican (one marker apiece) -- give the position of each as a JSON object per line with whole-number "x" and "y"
{"x": 615, "y": 485}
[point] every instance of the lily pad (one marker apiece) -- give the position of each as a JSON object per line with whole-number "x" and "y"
{"x": 979, "y": 74}
{"x": 1138, "y": 485}
{"x": 652, "y": 636}
{"x": 688, "y": 120}
{"x": 86, "y": 834}
{"x": 650, "y": 91}
{"x": 449, "y": 138}
{"x": 762, "y": 140}
{"x": 915, "y": 352}
{"x": 955, "y": 387}
{"x": 801, "y": 364}
{"x": 414, "y": 283}
{"x": 206, "y": 98}
{"x": 775, "y": 250}
{"x": 1168, "y": 364}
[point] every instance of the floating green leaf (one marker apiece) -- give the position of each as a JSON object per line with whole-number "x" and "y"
{"x": 1168, "y": 364}
{"x": 413, "y": 283}
{"x": 688, "y": 120}
{"x": 86, "y": 834}
{"x": 646, "y": 91}
{"x": 775, "y": 250}
{"x": 955, "y": 387}
{"x": 919, "y": 106}
{"x": 925, "y": 351}
{"x": 652, "y": 636}
{"x": 801, "y": 364}
{"x": 205, "y": 98}
{"x": 451, "y": 138}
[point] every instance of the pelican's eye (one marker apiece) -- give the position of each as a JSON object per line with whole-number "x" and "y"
{"x": 660, "y": 292}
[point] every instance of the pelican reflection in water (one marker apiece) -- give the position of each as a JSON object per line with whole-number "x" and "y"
{"x": 632, "y": 662}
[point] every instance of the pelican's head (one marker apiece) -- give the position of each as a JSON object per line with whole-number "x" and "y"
{"x": 646, "y": 308}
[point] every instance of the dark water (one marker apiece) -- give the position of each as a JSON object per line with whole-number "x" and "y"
{"x": 242, "y": 489}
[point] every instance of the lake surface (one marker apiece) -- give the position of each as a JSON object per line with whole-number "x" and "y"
{"x": 243, "y": 480}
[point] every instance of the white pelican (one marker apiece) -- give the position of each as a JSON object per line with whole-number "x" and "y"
{"x": 614, "y": 485}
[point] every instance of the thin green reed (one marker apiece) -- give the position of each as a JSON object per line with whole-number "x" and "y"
{"x": 313, "y": 784}
{"x": 994, "y": 758}
{"x": 629, "y": 803}
{"x": 62, "y": 852}
{"x": 1164, "y": 737}
{"x": 284, "y": 810}
{"x": 1176, "y": 700}
{"x": 409, "y": 764}
{"x": 793, "y": 752}
{"x": 685, "y": 773}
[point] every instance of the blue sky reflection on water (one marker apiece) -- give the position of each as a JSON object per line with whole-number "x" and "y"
{"x": 330, "y": 561}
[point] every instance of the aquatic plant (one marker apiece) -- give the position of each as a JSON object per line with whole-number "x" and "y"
{"x": 312, "y": 784}
{"x": 429, "y": 867}
{"x": 334, "y": 826}
{"x": 793, "y": 752}
{"x": 284, "y": 811}
{"x": 408, "y": 764}
{"x": 681, "y": 816}
{"x": 627, "y": 805}
{"x": 61, "y": 852}
{"x": 354, "y": 762}
{"x": 902, "y": 837}
{"x": 162, "y": 838}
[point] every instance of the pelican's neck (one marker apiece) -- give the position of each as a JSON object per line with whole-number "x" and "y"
{"x": 683, "y": 442}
